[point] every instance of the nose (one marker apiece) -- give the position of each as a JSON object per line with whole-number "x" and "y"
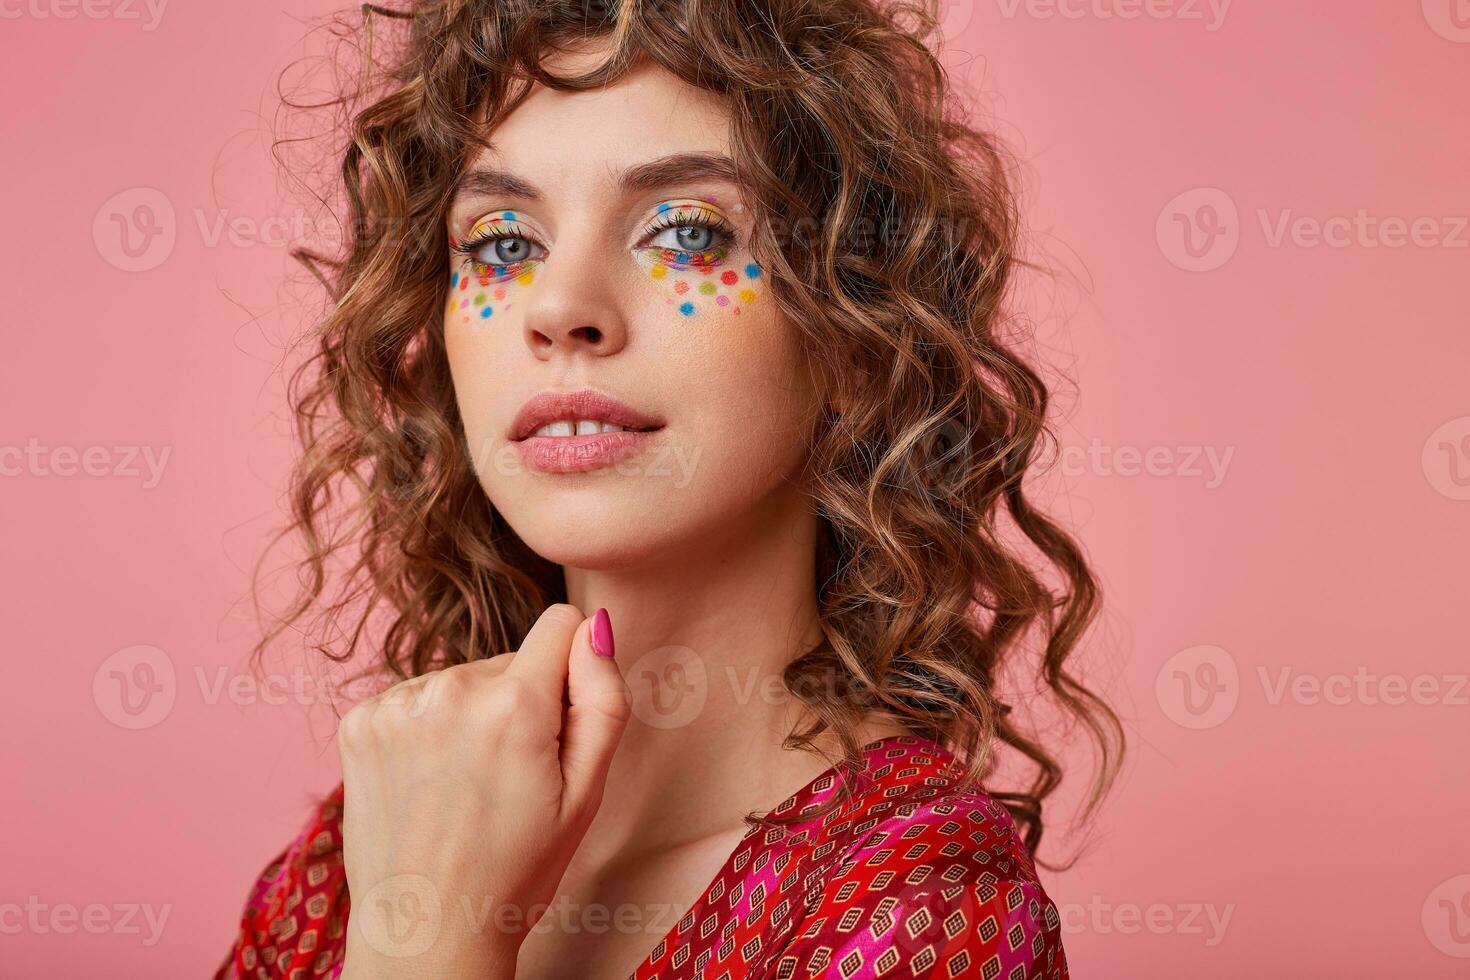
{"x": 572, "y": 309}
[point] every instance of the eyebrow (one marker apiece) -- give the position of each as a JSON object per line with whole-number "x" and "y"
{"x": 672, "y": 169}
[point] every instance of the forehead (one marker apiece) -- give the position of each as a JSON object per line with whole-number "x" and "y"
{"x": 594, "y": 134}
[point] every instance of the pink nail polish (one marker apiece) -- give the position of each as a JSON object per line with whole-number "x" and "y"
{"x": 602, "y": 638}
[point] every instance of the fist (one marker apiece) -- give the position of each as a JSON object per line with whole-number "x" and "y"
{"x": 469, "y": 789}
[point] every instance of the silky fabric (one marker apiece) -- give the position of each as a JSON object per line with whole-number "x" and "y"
{"x": 909, "y": 877}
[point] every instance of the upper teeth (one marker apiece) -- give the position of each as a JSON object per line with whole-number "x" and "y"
{"x": 577, "y": 427}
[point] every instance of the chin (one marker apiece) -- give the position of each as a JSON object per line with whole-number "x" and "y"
{"x": 599, "y": 523}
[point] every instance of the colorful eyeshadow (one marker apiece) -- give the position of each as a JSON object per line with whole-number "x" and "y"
{"x": 673, "y": 256}
{"x": 488, "y": 230}
{"x": 686, "y": 308}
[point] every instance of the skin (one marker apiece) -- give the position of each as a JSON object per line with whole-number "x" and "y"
{"x": 701, "y": 548}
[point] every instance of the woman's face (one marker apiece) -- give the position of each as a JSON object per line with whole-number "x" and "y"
{"x": 601, "y": 245}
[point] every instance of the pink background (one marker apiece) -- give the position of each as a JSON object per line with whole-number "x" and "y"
{"x": 1310, "y": 831}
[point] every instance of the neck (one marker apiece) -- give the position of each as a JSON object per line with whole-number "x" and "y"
{"x": 702, "y": 636}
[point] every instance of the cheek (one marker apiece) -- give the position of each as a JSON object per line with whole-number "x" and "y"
{"x": 479, "y": 299}
{"x": 751, "y": 399}
{"x": 704, "y": 290}
{"x": 477, "y": 312}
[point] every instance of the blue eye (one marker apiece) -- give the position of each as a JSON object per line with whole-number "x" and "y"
{"x": 505, "y": 251}
{"x": 498, "y": 251}
{"x": 690, "y": 229}
{"x": 687, "y": 238}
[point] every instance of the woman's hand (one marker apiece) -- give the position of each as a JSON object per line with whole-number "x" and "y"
{"x": 466, "y": 792}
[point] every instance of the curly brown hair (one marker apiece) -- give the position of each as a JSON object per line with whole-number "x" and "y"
{"x": 887, "y": 227}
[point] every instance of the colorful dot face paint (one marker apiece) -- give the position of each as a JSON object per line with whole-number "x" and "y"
{"x": 478, "y": 289}
{"x": 701, "y": 280}
{"x": 697, "y": 271}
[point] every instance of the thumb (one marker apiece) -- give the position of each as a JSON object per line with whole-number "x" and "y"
{"x": 597, "y": 714}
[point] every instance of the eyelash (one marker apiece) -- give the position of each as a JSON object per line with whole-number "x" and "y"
{"x": 674, "y": 217}
{"x": 470, "y": 248}
{"x": 681, "y": 216}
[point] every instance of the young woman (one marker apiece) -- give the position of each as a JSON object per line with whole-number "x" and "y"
{"x": 686, "y": 315}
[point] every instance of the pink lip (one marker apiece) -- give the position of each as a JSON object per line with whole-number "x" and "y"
{"x": 573, "y": 454}
{"x": 576, "y": 454}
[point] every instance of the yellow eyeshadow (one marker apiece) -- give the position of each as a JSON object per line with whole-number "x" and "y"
{"x": 524, "y": 278}
{"x": 658, "y": 271}
{"x": 747, "y": 295}
{"x": 484, "y": 226}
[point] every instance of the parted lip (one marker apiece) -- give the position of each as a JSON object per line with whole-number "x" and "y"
{"x": 550, "y": 406}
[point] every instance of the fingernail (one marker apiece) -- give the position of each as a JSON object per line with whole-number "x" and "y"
{"x": 602, "y": 638}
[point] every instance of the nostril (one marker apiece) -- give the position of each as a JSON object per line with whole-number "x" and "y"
{"x": 591, "y": 334}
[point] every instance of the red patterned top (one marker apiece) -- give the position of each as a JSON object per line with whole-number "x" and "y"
{"x": 907, "y": 878}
